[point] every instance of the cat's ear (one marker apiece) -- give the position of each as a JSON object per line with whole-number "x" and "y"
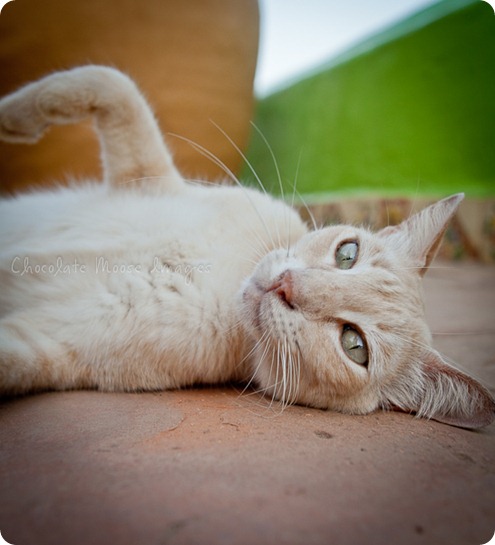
{"x": 440, "y": 392}
{"x": 420, "y": 236}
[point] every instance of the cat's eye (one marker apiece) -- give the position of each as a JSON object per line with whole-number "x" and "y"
{"x": 354, "y": 345}
{"x": 346, "y": 255}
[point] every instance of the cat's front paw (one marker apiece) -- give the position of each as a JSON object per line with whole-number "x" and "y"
{"x": 20, "y": 118}
{"x": 56, "y": 99}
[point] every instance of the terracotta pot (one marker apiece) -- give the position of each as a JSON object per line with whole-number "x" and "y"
{"x": 193, "y": 59}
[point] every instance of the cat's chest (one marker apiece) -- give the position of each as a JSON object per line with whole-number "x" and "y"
{"x": 209, "y": 239}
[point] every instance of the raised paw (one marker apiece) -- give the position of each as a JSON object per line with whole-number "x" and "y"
{"x": 20, "y": 119}
{"x": 60, "y": 98}
{"x": 133, "y": 147}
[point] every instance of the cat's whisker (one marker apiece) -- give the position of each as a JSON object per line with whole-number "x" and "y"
{"x": 231, "y": 330}
{"x": 250, "y": 166}
{"x": 209, "y": 155}
{"x": 275, "y": 360}
{"x": 264, "y": 402}
{"x": 286, "y": 369}
{"x": 298, "y": 370}
{"x": 250, "y": 353}
{"x": 419, "y": 268}
{"x": 256, "y": 398}
{"x": 257, "y": 254}
{"x": 290, "y": 376}
{"x": 282, "y": 363}
{"x": 263, "y": 247}
{"x": 259, "y": 250}
{"x": 272, "y": 154}
{"x": 425, "y": 347}
{"x": 422, "y": 346}
{"x": 463, "y": 333}
{"x": 249, "y": 260}
{"x": 236, "y": 325}
{"x": 292, "y": 382}
{"x": 278, "y": 385}
{"x": 203, "y": 151}
{"x": 296, "y": 375}
{"x": 277, "y": 169}
{"x": 294, "y": 185}
{"x": 308, "y": 210}
{"x": 244, "y": 157}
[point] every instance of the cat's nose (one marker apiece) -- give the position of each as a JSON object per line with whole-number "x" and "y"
{"x": 284, "y": 288}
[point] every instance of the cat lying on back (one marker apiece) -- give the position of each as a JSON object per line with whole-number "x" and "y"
{"x": 147, "y": 282}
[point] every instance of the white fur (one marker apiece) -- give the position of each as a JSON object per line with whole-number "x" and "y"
{"x": 145, "y": 281}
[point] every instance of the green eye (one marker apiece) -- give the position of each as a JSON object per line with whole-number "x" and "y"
{"x": 354, "y": 345}
{"x": 346, "y": 255}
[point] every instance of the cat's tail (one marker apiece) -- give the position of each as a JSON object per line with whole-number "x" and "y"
{"x": 131, "y": 143}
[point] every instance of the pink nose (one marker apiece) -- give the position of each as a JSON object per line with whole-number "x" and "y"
{"x": 284, "y": 288}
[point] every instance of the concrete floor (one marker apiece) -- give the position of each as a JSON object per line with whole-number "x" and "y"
{"x": 208, "y": 466}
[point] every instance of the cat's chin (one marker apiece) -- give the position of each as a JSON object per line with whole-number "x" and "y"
{"x": 261, "y": 301}
{"x": 263, "y": 287}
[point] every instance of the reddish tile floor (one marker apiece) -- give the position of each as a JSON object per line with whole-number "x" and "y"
{"x": 208, "y": 466}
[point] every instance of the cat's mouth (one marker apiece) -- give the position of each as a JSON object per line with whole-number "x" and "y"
{"x": 258, "y": 298}
{"x": 266, "y": 301}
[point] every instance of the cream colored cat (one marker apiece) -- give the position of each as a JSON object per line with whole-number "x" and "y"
{"x": 146, "y": 281}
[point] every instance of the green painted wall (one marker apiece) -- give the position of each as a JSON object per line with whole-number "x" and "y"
{"x": 411, "y": 110}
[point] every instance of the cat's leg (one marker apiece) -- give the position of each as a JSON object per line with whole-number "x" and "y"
{"x": 131, "y": 142}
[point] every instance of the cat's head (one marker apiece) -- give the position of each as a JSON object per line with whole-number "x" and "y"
{"x": 339, "y": 323}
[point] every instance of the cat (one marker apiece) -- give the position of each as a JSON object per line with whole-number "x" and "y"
{"x": 145, "y": 281}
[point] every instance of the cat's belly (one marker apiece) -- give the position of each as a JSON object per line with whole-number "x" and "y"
{"x": 144, "y": 322}
{"x": 76, "y": 238}
{"x": 141, "y": 288}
